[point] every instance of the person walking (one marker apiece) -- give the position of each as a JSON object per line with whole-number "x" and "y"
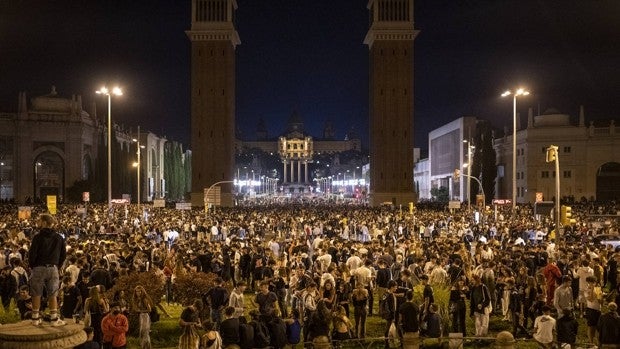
{"x": 458, "y": 310}
{"x": 46, "y": 255}
{"x": 480, "y": 300}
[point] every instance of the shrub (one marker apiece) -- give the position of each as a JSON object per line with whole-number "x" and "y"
{"x": 192, "y": 285}
{"x": 152, "y": 283}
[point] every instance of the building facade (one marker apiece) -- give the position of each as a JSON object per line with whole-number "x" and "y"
{"x": 447, "y": 153}
{"x": 390, "y": 42}
{"x": 589, "y": 158}
{"x": 52, "y": 142}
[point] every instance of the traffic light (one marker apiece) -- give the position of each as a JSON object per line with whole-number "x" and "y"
{"x": 552, "y": 153}
{"x": 457, "y": 174}
{"x": 566, "y": 214}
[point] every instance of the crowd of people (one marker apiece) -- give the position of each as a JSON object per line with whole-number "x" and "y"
{"x": 292, "y": 273}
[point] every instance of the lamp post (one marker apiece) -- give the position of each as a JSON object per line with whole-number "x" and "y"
{"x": 1, "y": 180}
{"x": 137, "y": 164}
{"x": 470, "y": 147}
{"x": 117, "y": 92}
{"x": 518, "y": 92}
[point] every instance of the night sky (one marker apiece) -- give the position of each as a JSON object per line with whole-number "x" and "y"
{"x": 309, "y": 56}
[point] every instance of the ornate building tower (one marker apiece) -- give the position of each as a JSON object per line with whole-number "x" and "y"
{"x": 214, "y": 38}
{"x": 390, "y": 41}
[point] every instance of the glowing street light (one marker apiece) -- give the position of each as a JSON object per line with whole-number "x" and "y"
{"x": 117, "y": 92}
{"x": 517, "y": 93}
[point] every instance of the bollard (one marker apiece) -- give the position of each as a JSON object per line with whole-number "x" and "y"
{"x": 411, "y": 340}
{"x": 321, "y": 342}
{"x": 455, "y": 340}
{"x": 505, "y": 340}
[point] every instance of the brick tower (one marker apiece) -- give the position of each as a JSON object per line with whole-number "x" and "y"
{"x": 390, "y": 41}
{"x": 213, "y": 40}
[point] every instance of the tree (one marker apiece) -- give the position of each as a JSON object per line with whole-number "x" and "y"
{"x": 440, "y": 194}
{"x": 484, "y": 167}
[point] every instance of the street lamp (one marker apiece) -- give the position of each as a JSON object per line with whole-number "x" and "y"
{"x": 137, "y": 164}
{"x": 117, "y": 92}
{"x": 470, "y": 148}
{"x": 518, "y": 92}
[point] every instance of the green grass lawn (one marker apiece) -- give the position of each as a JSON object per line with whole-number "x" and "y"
{"x": 166, "y": 332}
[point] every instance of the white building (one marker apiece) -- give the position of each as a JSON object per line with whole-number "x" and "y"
{"x": 589, "y": 159}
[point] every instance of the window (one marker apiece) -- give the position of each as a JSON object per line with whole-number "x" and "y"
{"x": 567, "y": 174}
{"x": 567, "y": 149}
{"x": 544, "y": 150}
{"x": 553, "y": 174}
{"x": 544, "y": 174}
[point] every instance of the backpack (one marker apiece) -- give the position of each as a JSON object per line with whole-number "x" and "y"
{"x": 22, "y": 279}
{"x": 293, "y": 332}
{"x": 262, "y": 338}
{"x": 384, "y": 308}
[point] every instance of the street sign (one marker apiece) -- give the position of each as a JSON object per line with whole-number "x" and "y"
{"x": 183, "y": 205}
{"x": 454, "y": 204}
{"x": 502, "y": 201}
{"x": 539, "y": 197}
{"x": 120, "y": 201}
{"x": 212, "y": 197}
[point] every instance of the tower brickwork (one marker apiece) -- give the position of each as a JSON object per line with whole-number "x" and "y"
{"x": 213, "y": 40}
{"x": 390, "y": 42}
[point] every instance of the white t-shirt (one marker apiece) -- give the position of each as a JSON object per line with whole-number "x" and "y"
{"x": 544, "y": 326}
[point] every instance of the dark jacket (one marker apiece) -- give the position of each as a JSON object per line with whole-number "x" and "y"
{"x": 609, "y": 328}
{"x": 47, "y": 248}
{"x": 229, "y": 331}
{"x": 479, "y": 296}
{"x": 567, "y": 329}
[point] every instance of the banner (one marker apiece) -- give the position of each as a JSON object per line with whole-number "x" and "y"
{"x": 51, "y": 204}
{"x": 24, "y": 212}
{"x": 159, "y": 203}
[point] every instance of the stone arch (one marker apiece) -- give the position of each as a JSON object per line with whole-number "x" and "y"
{"x": 48, "y": 173}
{"x": 608, "y": 181}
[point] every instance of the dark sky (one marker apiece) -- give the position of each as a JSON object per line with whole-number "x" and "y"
{"x": 309, "y": 55}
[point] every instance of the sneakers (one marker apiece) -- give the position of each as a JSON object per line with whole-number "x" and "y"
{"x": 36, "y": 322}
{"x": 58, "y": 322}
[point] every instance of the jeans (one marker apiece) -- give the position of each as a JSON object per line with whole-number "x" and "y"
{"x": 481, "y": 321}
{"x": 360, "y": 314}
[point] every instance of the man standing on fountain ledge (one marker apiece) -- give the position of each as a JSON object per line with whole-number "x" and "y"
{"x": 47, "y": 253}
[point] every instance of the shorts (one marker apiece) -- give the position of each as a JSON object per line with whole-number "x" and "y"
{"x": 592, "y": 316}
{"x": 44, "y": 278}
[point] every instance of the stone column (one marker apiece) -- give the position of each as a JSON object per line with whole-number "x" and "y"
{"x": 284, "y": 172}
{"x": 306, "y": 171}
{"x": 298, "y": 171}
{"x": 292, "y": 174}
{"x": 411, "y": 340}
{"x": 505, "y": 340}
{"x": 23, "y": 335}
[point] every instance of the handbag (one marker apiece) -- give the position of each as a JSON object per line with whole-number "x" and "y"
{"x": 154, "y": 314}
{"x": 87, "y": 319}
